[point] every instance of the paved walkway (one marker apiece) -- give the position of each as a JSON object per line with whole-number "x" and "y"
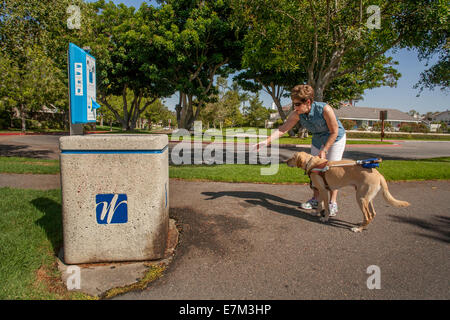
{"x": 251, "y": 241}
{"x": 30, "y": 181}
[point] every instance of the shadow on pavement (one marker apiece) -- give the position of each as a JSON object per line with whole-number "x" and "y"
{"x": 286, "y": 207}
{"x": 438, "y": 228}
{"x": 8, "y": 150}
{"x": 204, "y": 231}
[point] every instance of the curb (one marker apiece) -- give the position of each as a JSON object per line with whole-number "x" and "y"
{"x": 287, "y": 145}
{"x": 58, "y": 133}
{"x": 34, "y": 133}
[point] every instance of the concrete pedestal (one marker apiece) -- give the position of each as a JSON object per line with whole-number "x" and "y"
{"x": 114, "y": 197}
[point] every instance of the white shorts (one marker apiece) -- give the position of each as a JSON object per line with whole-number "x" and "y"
{"x": 335, "y": 152}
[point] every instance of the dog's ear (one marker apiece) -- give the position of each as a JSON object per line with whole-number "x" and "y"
{"x": 299, "y": 159}
{"x": 305, "y": 158}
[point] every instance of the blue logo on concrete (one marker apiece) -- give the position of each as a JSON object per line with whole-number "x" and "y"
{"x": 111, "y": 208}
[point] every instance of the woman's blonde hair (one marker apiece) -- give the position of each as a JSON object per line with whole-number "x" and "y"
{"x": 302, "y": 92}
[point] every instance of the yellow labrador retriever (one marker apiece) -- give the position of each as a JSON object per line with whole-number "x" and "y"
{"x": 367, "y": 183}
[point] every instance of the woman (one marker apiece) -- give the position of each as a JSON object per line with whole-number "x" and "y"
{"x": 329, "y": 138}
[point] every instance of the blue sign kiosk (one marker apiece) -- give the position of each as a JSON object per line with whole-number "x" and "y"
{"x": 82, "y": 89}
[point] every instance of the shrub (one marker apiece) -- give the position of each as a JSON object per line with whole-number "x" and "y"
{"x": 348, "y": 124}
{"x": 3, "y": 124}
{"x": 278, "y": 123}
{"x": 377, "y": 126}
{"x": 32, "y": 124}
{"x": 363, "y": 128}
{"x": 413, "y": 127}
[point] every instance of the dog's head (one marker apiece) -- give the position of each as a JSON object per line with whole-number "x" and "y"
{"x": 299, "y": 159}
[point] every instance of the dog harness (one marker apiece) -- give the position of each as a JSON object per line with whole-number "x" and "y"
{"x": 319, "y": 169}
{"x": 322, "y": 168}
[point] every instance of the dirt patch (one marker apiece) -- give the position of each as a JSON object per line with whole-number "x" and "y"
{"x": 51, "y": 282}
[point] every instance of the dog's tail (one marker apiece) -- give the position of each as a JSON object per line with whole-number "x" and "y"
{"x": 388, "y": 196}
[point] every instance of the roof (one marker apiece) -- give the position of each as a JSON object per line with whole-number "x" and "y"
{"x": 437, "y": 114}
{"x": 365, "y": 113}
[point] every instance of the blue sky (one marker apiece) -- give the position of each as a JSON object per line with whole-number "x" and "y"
{"x": 403, "y": 97}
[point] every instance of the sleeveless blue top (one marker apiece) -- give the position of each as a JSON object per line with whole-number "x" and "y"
{"x": 315, "y": 123}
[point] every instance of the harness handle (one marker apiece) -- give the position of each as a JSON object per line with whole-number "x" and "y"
{"x": 371, "y": 160}
{"x": 370, "y": 163}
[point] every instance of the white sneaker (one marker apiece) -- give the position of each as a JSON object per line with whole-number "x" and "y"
{"x": 310, "y": 204}
{"x": 333, "y": 209}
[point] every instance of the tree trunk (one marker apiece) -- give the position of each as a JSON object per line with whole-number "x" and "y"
{"x": 276, "y": 94}
{"x": 318, "y": 92}
{"x": 186, "y": 114}
{"x": 124, "y": 124}
{"x": 22, "y": 116}
{"x": 302, "y": 133}
{"x": 125, "y": 121}
{"x": 178, "y": 110}
{"x": 284, "y": 116}
{"x": 279, "y": 108}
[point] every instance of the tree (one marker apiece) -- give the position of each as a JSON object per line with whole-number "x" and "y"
{"x": 200, "y": 43}
{"x": 256, "y": 114}
{"x": 33, "y": 64}
{"x": 428, "y": 30}
{"x": 276, "y": 84}
{"x": 224, "y": 109}
{"x": 413, "y": 113}
{"x": 157, "y": 112}
{"x": 331, "y": 41}
{"x": 436, "y": 76}
{"x": 31, "y": 82}
{"x": 128, "y": 60}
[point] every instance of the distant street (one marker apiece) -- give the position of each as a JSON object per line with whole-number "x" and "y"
{"x": 47, "y": 147}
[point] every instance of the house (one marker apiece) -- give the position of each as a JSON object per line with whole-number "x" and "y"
{"x": 274, "y": 115}
{"x": 441, "y": 117}
{"x": 366, "y": 117}
{"x": 363, "y": 116}
{"x": 434, "y": 120}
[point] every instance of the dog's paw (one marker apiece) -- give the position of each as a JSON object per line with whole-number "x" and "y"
{"x": 357, "y": 229}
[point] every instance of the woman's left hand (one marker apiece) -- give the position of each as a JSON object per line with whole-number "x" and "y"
{"x": 322, "y": 154}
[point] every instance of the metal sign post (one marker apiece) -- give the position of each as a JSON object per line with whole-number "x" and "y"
{"x": 383, "y": 116}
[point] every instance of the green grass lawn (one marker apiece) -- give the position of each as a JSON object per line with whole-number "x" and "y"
{"x": 28, "y": 165}
{"x": 237, "y": 173}
{"x": 30, "y": 236}
{"x": 393, "y": 170}
{"x": 426, "y": 169}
